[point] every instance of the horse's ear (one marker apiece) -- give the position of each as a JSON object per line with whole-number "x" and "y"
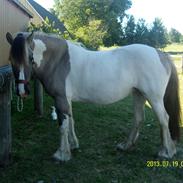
{"x": 30, "y": 37}
{"x": 9, "y": 38}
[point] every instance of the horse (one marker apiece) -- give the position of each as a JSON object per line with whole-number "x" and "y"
{"x": 70, "y": 73}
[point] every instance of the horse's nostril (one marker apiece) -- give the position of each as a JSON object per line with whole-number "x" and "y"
{"x": 23, "y": 95}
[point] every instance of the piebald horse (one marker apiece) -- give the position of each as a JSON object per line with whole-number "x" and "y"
{"x": 70, "y": 72}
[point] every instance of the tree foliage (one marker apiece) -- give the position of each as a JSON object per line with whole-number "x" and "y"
{"x": 158, "y": 35}
{"x": 46, "y": 26}
{"x": 175, "y": 36}
{"x": 92, "y": 35}
{"x": 100, "y": 22}
{"x": 129, "y": 30}
{"x": 142, "y": 32}
{"x": 78, "y": 15}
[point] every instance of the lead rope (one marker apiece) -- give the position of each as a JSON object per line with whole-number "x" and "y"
{"x": 20, "y": 104}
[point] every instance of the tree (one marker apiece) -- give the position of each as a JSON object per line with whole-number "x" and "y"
{"x": 129, "y": 30}
{"x": 76, "y": 14}
{"x": 158, "y": 35}
{"x": 91, "y": 35}
{"x": 141, "y": 32}
{"x": 175, "y": 36}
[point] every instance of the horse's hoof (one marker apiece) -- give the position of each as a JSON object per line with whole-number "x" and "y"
{"x": 74, "y": 146}
{"x": 61, "y": 156}
{"x": 163, "y": 153}
{"x": 122, "y": 147}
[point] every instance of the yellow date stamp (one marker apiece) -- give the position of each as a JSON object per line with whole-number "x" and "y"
{"x": 164, "y": 164}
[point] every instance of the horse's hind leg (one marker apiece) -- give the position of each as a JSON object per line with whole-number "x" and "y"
{"x": 168, "y": 149}
{"x": 139, "y": 101}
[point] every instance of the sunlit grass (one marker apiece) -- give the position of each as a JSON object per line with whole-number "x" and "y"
{"x": 174, "y": 48}
{"x": 181, "y": 92}
{"x": 108, "y": 48}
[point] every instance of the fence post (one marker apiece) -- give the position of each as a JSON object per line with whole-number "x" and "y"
{"x": 5, "y": 115}
{"x": 38, "y": 97}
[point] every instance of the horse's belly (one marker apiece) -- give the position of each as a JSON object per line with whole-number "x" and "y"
{"x": 106, "y": 94}
{"x": 108, "y": 98}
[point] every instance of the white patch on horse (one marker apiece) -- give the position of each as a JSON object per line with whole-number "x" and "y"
{"x": 64, "y": 153}
{"x": 39, "y": 49}
{"x": 102, "y": 73}
{"x": 21, "y": 85}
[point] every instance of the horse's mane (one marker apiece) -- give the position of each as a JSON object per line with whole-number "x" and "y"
{"x": 18, "y": 49}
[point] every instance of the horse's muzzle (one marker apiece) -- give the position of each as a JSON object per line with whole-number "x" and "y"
{"x": 26, "y": 88}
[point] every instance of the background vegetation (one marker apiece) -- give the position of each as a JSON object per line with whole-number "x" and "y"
{"x": 105, "y": 23}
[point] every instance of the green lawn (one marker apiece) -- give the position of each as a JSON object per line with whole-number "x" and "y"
{"x": 99, "y": 129}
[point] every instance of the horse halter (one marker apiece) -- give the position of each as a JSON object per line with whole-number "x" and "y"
{"x": 21, "y": 81}
{"x": 31, "y": 61}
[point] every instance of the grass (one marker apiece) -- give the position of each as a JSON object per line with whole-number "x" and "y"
{"x": 108, "y": 48}
{"x": 180, "y": 92}
{"x": 99, "y": 129}
{"x": 175, "y": 47}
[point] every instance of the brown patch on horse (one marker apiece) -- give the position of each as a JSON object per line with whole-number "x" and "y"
{"x": 171, "y": 97}
{"x": 56, "y": 66}
{"x": 165, "y": 59}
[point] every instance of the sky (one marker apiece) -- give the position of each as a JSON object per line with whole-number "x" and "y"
{"x": 170, "y": 11}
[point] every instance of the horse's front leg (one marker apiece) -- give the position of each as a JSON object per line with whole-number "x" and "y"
{"x": 63, "y": 153}
{"x": 74, "y": 144}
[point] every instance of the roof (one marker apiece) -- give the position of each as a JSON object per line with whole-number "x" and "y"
{"x": 21, "y": 7}
{"x": 45, "y": 13}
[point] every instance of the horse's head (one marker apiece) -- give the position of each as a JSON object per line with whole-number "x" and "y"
{"x": 21, "y": 57}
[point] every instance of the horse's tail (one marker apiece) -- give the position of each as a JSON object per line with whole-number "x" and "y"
{"x": 172, "y": 103}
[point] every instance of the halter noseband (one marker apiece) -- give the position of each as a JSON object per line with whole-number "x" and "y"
{"x": 22, "y": 81}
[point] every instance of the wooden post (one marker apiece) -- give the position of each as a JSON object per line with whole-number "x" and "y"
{"x": 38, "y": 97}
{"x": 5, "y": 115}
